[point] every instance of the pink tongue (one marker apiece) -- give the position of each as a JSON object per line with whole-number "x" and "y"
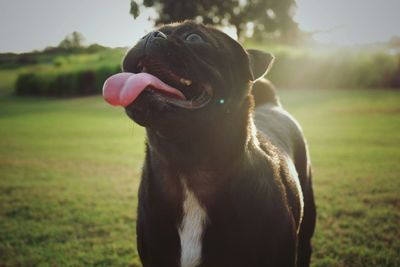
{"x": 123, "y": 88}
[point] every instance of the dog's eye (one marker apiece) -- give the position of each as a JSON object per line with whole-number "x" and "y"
{"x": 194, "y": 38}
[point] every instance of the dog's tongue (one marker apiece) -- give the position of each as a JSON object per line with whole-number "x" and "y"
{"x": 123, "y": 88}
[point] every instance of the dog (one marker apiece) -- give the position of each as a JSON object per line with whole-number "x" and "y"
{"x": 225, "y": 182}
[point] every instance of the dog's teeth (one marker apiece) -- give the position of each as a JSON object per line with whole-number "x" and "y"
{"x": 185, "y": 82}
{"x": 140, "y": 66}
{"x": 144, "y": 69}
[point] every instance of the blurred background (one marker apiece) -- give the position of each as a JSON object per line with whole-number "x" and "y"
{"x": 70, "y": 164}
{"x": 59, "y": 48}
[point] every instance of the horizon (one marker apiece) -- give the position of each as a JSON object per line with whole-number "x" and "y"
{"x": 109, "y": 23}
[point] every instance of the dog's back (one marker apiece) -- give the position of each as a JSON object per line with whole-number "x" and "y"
{"x": 277, "y": 126}
{"x": 274, "y": 122}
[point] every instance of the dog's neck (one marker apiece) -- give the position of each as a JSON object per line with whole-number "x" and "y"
{"x": 214, "y": 149}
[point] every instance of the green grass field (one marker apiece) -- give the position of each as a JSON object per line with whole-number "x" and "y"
{"x": 69, "y": 171}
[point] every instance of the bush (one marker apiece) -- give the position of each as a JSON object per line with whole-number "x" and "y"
{"x": 336, "y": 70}
{"x": 64, "y": 83}
{"x": 295, "y": 68}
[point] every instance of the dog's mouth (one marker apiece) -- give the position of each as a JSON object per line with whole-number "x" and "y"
{"x": 161, "y": 82}
{"x": 197, "y": 94}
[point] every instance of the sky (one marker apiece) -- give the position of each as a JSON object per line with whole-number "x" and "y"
{"x": 26, "y": 25}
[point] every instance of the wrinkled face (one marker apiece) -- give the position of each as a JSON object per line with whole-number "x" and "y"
{"x": 208, "y": 67}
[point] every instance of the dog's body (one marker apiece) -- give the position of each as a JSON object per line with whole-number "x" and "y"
{"x": 222, "y": 185}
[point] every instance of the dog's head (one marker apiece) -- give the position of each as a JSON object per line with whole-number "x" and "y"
{"x": 211, "y": 70}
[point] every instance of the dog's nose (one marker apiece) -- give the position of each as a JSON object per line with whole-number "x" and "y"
{"x": 155, "y": 40}
{"x": 158, "y": 34}
{"x": 155, "y": 34}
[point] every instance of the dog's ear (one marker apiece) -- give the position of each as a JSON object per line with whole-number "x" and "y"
{"x": 260, "y": 63}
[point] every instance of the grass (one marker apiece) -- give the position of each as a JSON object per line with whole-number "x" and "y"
{"x": 69, "y": 171}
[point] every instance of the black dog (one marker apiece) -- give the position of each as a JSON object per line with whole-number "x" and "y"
{"x": 224, "y": 183}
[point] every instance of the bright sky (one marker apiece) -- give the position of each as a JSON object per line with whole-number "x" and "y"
{"x": 34, "y": 24}
{"x": 350, "y": 21}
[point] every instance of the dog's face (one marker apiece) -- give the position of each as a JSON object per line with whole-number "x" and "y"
{"x": 213, "y": 72}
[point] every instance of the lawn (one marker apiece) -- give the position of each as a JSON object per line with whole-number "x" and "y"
{"x": 69, "y": 172}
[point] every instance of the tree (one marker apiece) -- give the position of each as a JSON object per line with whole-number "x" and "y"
{"x": 134, "y": 11}
{"x": 72, "y": 41}
{"x": 262, "y": 17}
{"x": 394, "y": 42}
{"x": 77, "y": 39}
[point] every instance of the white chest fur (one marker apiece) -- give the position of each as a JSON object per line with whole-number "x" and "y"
{"x": 191, "y": 229}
